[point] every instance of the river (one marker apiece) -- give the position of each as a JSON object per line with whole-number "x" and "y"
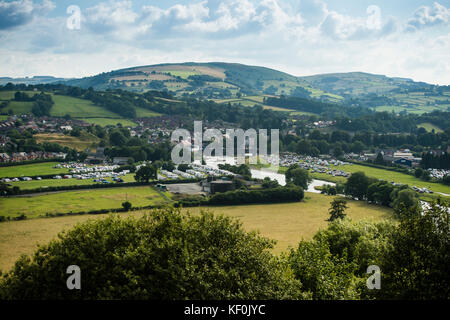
{"x": 263, "y": 173}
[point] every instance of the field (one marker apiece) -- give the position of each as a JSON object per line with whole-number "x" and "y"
{"x": 85, "y": 141}
{"x": 36, "y": 169}
{"x": 35, "y": 184}
{"x": 396, "y": 177}
{"x": 287, "y": 223}
{"x": 144, "y": 113}
{"x": 109, "y": 122}
{"x": 77, "y": 201}
{"x": 429, "y": 127}
{"x": 19, "y": 107}
{"x": 78, "y": 108}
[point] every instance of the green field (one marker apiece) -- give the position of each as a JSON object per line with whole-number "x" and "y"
{"x": 36, "y": 169}
{"x": 302, "y": 113}
{"x": 84, "y": 141}
{"x": 396, "y": 177}
{"x": 181, "y": 73}
{"x": 144, "y": 113}
{"x": 8, "y": 95}
{"x": 3, "y": 118}
{"x": 19, "y": 107}
{"x": 429, "y": 127}
{"x": 287, "y": 223}
{"x": 77, "y": 201}
{"x": 77, "y": 108}
{"x": 35, "y": 184}
{"x": 109, "y": 122}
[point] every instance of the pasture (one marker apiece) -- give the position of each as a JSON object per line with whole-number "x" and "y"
{"x": 144, "y": 113}
{"x": 287, "y": 223}
{"x": 397, "y": 177}
{"x": 81, "y": 143}
{"x": 78, "y": 201}
{"x": 35, "y": 184}
{"x": 109, "y": 122}
{"x": 77, "y": 108}
{"x": 430, "y": 127}
{"x": 44, "y": 168}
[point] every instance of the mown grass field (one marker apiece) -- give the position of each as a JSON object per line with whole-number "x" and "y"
{"x": 287, "y": 223}
{"x": 430, "y": 127}
{"x": 75, "y": 107}
{"x": 78, "y": 108}
{"x": 35, "y": 184}
{"x": 84, "y": 141}
{"x": 396, "y": 177}
{"x": 109, "y": 121}
{"x": 19, "y": 107}
{"x": 144, "y": 113}
{"x": 36, "y": 169}
{"x": 78, "y": 201}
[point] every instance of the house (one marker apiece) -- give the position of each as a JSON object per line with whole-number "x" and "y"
{"x": 215, "y": 186}
{"x": 66, "y": 128}
{"x": 404, "y": 162}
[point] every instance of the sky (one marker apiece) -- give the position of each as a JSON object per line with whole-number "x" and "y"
{"x": 68, "y": 38}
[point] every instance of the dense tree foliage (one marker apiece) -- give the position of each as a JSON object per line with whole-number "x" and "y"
{"x": 415, "y": 264}
{"x": 163, "y": 255}
{"x": 298, "y": 176}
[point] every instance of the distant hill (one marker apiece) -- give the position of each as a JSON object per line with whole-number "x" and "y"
{"x": 360, "y": 83}
{"x": 244, "y": 84}
{"x": 215, "y": 80}
{"x": 32, "y": 80}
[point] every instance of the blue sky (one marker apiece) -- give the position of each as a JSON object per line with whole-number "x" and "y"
{"x": 404, "y": 38}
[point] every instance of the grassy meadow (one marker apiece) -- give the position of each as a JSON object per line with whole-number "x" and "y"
{"x": 396, "y": 177}
{"x": 81, "y": 143}
{"x": 35, "y": 184}
{"x": 109, "y": 121}
{"x": 78, "y": 201}
{"x": 44, "y": 168}
{"x": 430, "y": 127}
{"x": 287, "y": 223}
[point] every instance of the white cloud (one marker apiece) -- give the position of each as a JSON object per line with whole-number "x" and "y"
{"x": 21, "y": 12}
{"x": 429, "y": 16}
{"x": 300, "y": 38}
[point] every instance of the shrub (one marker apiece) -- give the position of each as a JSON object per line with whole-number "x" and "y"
{"x": 127, "y": 205}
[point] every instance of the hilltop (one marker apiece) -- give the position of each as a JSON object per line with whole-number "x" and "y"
{"x": 249, "y": 85}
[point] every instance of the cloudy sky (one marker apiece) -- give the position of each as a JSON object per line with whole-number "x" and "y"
{"x": 403, "y": 38}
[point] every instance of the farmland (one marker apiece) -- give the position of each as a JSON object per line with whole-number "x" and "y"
{"x": 430, "y": 127}
{"x": 397, "y": 177}
{"x": 36, "y": 169}
{"x": 35, "y": 184}
{"x": 85, "y": 141}
{"x": 78, "y": 201}
{"x": 287, "y": 223}
{"x": 109, "y": 121}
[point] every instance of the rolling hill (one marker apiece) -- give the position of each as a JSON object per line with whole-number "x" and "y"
{"x": 237, "y": 83}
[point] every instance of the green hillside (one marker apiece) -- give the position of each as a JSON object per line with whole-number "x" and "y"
{"x": 215, "y": 80}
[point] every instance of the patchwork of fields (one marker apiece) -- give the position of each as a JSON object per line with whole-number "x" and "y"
{"x": 287, "y": 223}
{"x": 76, "y": 108}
